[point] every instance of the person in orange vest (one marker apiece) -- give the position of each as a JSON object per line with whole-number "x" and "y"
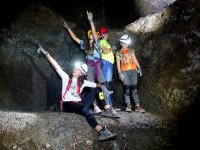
{"x": 71, "y": 90}
{"x": 128, "y": 69}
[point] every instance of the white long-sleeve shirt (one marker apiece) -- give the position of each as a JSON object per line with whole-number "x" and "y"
{"x": 71, "y": 94}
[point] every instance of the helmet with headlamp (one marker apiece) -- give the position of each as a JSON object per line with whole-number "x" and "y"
{"x": 82, "y": 66}
{"x": 125, "y": 39}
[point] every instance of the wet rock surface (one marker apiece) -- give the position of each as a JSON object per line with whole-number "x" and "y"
{"x": 65, "y": 131}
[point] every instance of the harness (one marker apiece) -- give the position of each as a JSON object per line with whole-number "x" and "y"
{"x": 120, "y": 54}
{"x": 67, "y": 89}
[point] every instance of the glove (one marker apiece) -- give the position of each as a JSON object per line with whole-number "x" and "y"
{"x": 121, "y": 76}
{"x": 40, "y": 49}
{"x": 66, "y": 25}
{"x": 139, "y": 71}
{"x": 106, "y": 92}
{"x": 90, "y": 16}
{"x": 114, "y": 47}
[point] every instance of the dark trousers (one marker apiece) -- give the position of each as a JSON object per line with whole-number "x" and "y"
{"x": 83, "y": 108}
{"x": 91, "y": 95}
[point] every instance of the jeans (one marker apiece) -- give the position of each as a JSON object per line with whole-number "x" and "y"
{"x": 80, "y": 109}
{"x": 107, "y": 69}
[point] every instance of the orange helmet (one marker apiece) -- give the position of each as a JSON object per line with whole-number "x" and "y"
{"x": 102, "y": 31}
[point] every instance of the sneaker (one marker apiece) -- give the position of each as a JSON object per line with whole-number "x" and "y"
{"x": 105, "y": 135}
{"x": 97, "y": 110}
{"x": 110, "y": 113}
{"x": 128, "y": 108}
{"x": 139, "y": 109}
{"x": 116, "y": 109}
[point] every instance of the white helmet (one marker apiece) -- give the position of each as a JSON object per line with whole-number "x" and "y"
{"x": 82, "y": 66}
{"x": 125, "y": 39}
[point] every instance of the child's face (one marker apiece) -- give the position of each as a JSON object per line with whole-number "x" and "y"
{"x": 124, "y": 45}
{"x": 77, "y": 72}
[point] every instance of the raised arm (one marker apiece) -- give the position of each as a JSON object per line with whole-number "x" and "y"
{"x": 90, "y": 18}
{"x": 51, "y": 60}
{"x": 74, "y": 37}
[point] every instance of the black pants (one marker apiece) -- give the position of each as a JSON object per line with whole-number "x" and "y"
{"x": 83, "y": 108}
{"x": 92, "y": 95}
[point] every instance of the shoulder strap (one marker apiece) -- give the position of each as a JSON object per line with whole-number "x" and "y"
{"x": 132, "y": 50}
{"x": 68, "y": 86}
{"x": 119, "y": 53}
{"x": 79, "y": 88}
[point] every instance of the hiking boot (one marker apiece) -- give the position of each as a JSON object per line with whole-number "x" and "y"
{"x": 139, "y": 109}
{"x": 128, "y": 108}
{"x": 105, "y": 135}
{"x": 110, "y": 113}
{"x": 97, "y": 110}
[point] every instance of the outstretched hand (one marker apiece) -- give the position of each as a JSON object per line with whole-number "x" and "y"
{"x": 139, "y": 71}
{"x": 106, "y": 92}
{"x": 90, "y": 16}
{"x": 65, "y": 25}
{"x": 40, "y": 49}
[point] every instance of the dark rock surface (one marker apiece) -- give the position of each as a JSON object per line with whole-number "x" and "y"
{"x": 145, "y": 7}
{"x": 65, "y": 131}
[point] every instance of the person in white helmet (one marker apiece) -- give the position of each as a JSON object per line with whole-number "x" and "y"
{"x": 71, "y": 99}
{"x": 128, "y": 69}
{"x": 94, "y": 62}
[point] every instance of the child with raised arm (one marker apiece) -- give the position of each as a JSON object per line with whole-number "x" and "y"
{"x": 93, "y": 58}
{"x": 71, "y": 90}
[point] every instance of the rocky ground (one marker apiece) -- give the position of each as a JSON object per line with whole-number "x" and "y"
{"x": 65, "y": 131}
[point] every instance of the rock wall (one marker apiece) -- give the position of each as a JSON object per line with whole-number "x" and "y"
{"x": 168, "y": 49}
{"x": 147, "y": 7}
{"x": 27, "y": 80}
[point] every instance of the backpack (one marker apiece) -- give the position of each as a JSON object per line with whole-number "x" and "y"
{"x": 120, "y": 54}
{"x": 67, "y": 89}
